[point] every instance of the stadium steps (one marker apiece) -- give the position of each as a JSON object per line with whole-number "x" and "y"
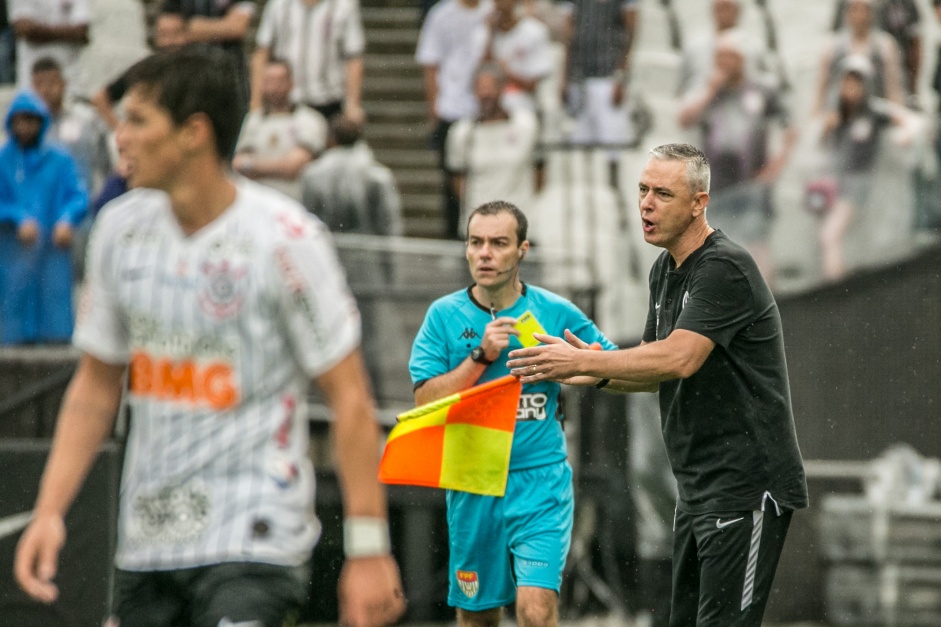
{"x": 393, "y": 97}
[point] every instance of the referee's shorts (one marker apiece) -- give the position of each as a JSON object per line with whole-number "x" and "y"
{"x": 723, "y": 566}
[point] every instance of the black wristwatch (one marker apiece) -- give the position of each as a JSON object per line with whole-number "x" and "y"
{"x": 478, "y": 355}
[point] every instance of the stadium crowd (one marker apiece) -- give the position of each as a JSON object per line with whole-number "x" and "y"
{"x": 495, "y": 71}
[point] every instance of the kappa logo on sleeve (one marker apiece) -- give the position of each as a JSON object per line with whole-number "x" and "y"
{"x": 468, "y": 582}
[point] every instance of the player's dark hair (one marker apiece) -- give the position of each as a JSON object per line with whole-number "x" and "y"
{"x": 45, "y": 64}
{"x": 495, "y": 207}
{"x": 698, "y": 174}
{"x": 195, "y": 79}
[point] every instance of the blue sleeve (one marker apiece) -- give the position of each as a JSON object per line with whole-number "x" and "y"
{"x": 586, "y": 330}
{"x": 429, "y": 357}
{"x": 72, "y": 194}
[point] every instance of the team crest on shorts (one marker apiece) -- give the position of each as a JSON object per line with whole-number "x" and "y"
{"x": 222, "y": 295}
{"x": 467, "y": 580}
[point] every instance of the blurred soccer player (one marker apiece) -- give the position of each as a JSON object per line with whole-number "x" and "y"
{"x": 224, "y": 299}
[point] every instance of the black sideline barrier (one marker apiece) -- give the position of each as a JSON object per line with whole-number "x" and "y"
{"x": 85, "y": 565}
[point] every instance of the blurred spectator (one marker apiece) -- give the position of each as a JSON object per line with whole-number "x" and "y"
{"x": 599, "y": 45}
{"x": 492, "y": 155}
{"x": 928, "y": 179}
{"x": 735, "y": 113}
{"x": 279, "y": 139}
{"x": 7, "y": 47}
{"x": 169, "y": 33}
{"x": 74, "y": 125}
{"x": 699, "y": 52}
{"x": 901, "y": 19}
{"x": 851, "y": 139}
{"x": 41, "y": 200}
{"x": 353, "y": 193}
{"x": 449, "y": 50}
{"x": 222, "y": 23}
{"x": 348, "y": 189}
{"x": 520, "y": 46}
{"x": 860, "y": 36}
{"x": 324, "y": 42}
{"x": 50, "y": 28}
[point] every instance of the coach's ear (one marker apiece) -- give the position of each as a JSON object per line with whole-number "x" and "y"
{"x": 700, "y": 201}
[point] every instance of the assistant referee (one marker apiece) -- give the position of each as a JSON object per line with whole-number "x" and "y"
{"x": 713, "y": 347}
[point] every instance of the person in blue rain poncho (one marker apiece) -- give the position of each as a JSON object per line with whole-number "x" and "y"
{"x": 42, "y": 198}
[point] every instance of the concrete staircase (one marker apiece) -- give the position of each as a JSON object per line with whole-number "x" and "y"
{"x": 393, "y": 96}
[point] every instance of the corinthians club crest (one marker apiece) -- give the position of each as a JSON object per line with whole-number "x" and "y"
{"x": 222, "y": 292}
{"x": 467, "y": 580}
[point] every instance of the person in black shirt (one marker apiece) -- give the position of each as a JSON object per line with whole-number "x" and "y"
{"x": 713, "y": 347}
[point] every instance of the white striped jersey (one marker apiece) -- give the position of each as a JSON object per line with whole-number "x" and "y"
{"x": 222, "y": 330}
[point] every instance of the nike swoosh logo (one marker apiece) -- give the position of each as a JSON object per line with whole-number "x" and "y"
{"x": 720, "y": 524}
{"x": 14, "y": 524}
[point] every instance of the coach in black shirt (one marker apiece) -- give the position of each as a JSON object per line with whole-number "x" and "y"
{"x": 714, "y": 349}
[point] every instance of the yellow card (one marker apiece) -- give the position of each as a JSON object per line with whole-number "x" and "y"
{"x": 527, "y": 325}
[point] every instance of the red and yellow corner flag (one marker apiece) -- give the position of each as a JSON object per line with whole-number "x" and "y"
{"x": 460, "y": 442}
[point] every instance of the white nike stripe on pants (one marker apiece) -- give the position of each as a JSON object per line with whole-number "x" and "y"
{"x": 752, "y": 565}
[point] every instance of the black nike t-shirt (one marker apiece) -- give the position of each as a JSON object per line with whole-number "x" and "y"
{"x": 729, "y": 428}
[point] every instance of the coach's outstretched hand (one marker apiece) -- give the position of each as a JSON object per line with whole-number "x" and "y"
{"x": 556, "y": 359}
{"x": 370, "y": 592}
{"x": 37, "y": 557}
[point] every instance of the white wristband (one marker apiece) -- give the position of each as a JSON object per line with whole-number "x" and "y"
{"x": 364, "y": 536}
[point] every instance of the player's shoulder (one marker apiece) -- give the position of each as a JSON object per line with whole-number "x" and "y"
{"x": 276, "y": 219}
{"x": 134, "y": 207}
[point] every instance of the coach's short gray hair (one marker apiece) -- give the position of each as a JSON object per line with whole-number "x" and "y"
{"x": 698, "y": 174}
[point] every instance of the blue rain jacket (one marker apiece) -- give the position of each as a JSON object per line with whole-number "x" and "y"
{"x": 39, "y": 183}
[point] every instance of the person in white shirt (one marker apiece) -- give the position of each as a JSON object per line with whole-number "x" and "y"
{"x": 700, "y": 51}
{"x": 492, "y": 154}
{"x": 224, "y": 299}
{"x": 50, "y": 28}
{"x": 280, "y": 139}
{"x": 520, "y": 45}
{"x": 324, "y": 42}
{"x": 449, "y": 49}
